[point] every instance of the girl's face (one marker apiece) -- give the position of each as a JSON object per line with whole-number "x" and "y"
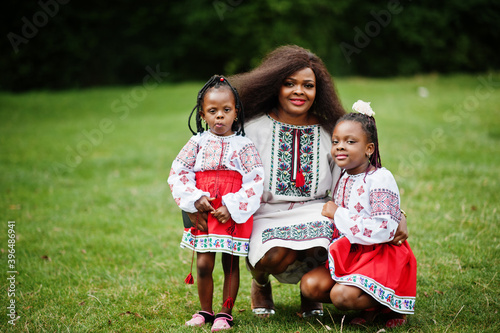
{"x": 296, "y": 96}
{"x": 219, "y": 110}
{"x": 350, "y": 147}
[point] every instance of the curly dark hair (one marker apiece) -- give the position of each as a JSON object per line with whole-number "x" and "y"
{"x": 259, "y": 88}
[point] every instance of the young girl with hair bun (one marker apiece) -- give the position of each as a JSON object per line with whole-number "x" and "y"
{"x": 365, "y": 271}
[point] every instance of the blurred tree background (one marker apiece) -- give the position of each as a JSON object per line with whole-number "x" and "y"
{"x": 57, "y": 44}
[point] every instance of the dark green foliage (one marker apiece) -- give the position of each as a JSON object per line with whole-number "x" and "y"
{"x": 63, "y": 43}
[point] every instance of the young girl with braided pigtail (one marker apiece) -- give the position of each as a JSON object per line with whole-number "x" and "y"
{"x": 218, "y": 175}
{"x": 365, "y": 272}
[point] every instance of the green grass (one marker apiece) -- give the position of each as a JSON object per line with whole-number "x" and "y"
{"x": 97, "y": 231}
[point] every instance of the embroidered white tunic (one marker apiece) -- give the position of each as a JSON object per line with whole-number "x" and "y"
{"x": 206, "y": 151}
{"x": 368, "y": 216}
{"x": 368, "y": 210}
{"x": 290, "y": 215}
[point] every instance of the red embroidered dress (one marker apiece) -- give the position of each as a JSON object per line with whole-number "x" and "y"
{"x": 229, "y": 169}
{"x": 368, "y": 216}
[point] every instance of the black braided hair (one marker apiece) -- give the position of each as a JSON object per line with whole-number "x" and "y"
{"x": 370, "y": 128}
{"x": 216, "y": 82}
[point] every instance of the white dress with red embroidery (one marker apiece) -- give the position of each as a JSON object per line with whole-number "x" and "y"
{"x": 217, "y": 159}
{"x": 300, "y": 174}
{"x": 368, "y": 217}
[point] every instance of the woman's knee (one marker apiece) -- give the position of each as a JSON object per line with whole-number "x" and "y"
{"x": 309, "y": 285}
{"x": 276, "y": 260}
{"x": 316, "y": 284}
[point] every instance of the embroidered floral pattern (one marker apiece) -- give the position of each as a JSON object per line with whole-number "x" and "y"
{"x": 302, "y": 231}
{"x": 214, "y": 154}
{"x": 250, "y": 158}
{"x": 184, "y": 179}
{"x": 383, "y": 295}
{"x": 187, "y": 156}
{"x": 385, "y": 202}
{"x": 250, "y": 192}
{"x": 219, "y": 243}
{"x": 283, "y": 154}
{"x": 358, "y": 207}
{"x": 344, "y": 191}
{"x": 354, "y": 229}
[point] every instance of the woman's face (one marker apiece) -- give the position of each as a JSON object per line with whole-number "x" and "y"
{"x": 297, "y": 94}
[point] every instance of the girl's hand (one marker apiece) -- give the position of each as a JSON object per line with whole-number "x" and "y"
{"x": 329, "y": 209}
{"x": 222, "y": 214}
{"x": 199, "y": 220}
{"x": 401, "y": 232}
{"x": 203, "y": 204}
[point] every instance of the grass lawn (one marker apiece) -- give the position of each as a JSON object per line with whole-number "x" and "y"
{"x": 83, "y": 175}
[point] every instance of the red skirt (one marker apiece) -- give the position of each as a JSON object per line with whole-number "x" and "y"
{"x": 386, "y": 272}
{"x": 230, "y": 237}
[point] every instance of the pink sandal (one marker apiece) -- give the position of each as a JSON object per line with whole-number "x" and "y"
{"x": 222, "y": 321}
{"x": 395, "y": 322}
{"x": 201, "y": 318}
{"x": 361, "y": 320}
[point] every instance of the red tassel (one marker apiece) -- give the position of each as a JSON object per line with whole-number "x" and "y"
{"x": 300, "y": 181}
{"x": 229, "y": 303}
{"x": 189, "y": 279}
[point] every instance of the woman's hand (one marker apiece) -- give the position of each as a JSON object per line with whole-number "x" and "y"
{"x": 401, "y": 232}
{"x": 199, "y": 220}
{"x": 222, "y": 214}
{"x": 329, "y": 209}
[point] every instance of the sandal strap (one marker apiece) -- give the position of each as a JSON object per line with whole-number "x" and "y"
{"x": 209, "y": 317}
{"x": 262, "y": 285}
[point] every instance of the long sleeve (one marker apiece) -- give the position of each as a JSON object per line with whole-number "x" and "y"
{"x": 373, "y": 212}
{"x": 244, "y": 203}
{"x": 182, "y": 179}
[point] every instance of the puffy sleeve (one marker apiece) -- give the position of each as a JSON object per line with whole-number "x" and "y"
{"x": 373, "y": 216}
{"x": 244, "y": 203}
{"x": 182, "y": 179}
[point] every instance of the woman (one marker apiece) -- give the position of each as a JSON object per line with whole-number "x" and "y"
{"x": 291, "y": 108}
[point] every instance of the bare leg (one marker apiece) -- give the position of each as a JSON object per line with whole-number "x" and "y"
{"x": 275, "y": 261}
{"x": 352, "y": 298}
{"x": 232, "y": 277}
{"x": 346, "y": 297}
{"x": 316, "y": 285}
{"x": 205, "y": 266}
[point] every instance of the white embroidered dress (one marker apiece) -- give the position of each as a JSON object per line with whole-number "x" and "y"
{"x": 290, "y": 215}
{"x": 368, "y": 210}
